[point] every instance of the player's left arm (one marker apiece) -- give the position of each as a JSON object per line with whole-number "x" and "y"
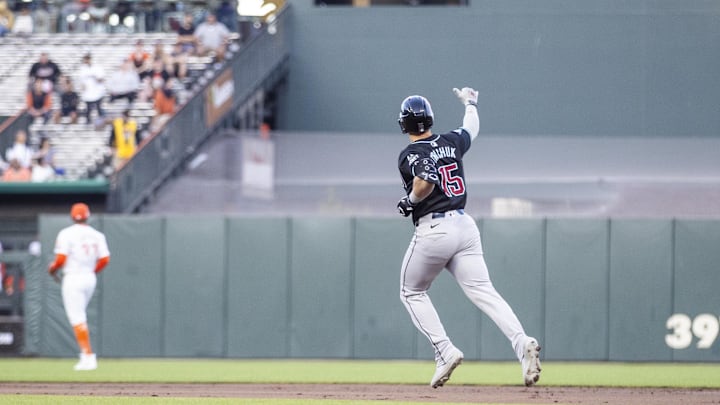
{"x": 425, "y": 177}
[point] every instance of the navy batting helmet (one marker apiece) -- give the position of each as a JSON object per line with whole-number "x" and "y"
{"x": 416, "y": 115}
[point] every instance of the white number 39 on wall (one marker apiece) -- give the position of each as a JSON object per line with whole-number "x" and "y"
{"x": 705, "y": 327}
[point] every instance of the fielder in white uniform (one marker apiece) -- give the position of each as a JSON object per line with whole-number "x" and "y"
{"x": 81, "y": 252}
{"x": 431, "y": 168}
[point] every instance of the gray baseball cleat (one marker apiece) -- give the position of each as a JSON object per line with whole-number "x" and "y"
{"x": 442, "y": 373}
{"x": 531, "y": 362}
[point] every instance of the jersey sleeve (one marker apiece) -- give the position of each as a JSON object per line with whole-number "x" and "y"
{"x": 62, "y": 244}
{"x": 413, "y": 163}
{"x": 403, "y": 165}
{"x": 103, "y": 250}
{"x": 426, "y": 169}
{"x": 462, "y": 139}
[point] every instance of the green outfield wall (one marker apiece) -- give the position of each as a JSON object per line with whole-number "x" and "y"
{"x": 312, "y": 287}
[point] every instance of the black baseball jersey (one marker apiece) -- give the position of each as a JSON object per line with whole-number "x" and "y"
{"x": 438, "y": 160}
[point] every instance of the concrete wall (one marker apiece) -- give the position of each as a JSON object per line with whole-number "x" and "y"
{"x": 561, "y": 67}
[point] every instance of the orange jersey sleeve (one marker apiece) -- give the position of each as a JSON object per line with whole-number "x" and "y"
{"x": 101, "y": 263}
{"x": 59, "y": 262}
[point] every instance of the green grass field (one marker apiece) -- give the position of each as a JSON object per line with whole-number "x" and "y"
{"x": 677, "y": 375}
{"x": 687, "y": 375}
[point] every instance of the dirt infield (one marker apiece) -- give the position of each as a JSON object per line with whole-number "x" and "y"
{"x": 469, "y": 394}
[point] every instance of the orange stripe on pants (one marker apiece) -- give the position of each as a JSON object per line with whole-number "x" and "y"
{"x": 82, "y": 335}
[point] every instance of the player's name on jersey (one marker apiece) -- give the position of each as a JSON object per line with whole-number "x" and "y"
{"x": 442, "y": 152}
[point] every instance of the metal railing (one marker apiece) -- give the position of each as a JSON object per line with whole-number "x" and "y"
{"x": 260, "y": 64}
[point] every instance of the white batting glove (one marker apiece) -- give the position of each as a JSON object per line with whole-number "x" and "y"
{"x": 468, "y": 95}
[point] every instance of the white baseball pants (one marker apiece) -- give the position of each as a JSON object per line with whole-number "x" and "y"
{"x": 77, "y": 290}
{"x": 452, "y": 242}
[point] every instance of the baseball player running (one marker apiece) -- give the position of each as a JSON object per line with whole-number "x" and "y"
{"x": 445, "y": 236}
{"x": 82, "y": 252}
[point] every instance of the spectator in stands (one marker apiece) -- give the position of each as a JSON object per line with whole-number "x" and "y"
{"x": 165, "y": 98}
{"x": 165, "y": 103}
{"x": 24, "y": 24}
{"x": 153, "y": 79}
{"x": 124, "y": 83}
{"x": 69, "y": 101}
{"x": 160, "y": 52}
{"x": 124, "y": 138}
{"x": 212, "y": 37}
{"x": 42, "y": 18}
{"x": 98, "y": 12}
{"x": 151, "y": 13}
{"x": 92, "y": 86}
{"x": 123, "y": 9}
{"x": 139, "y": 57}
{"x": 46, "y": 70}
{"x": 46, "y": 152}
{"x": 41, "y": 171}
{"x": 70, "y": 13}
{"x": 175, "y": 61}
{"x": 186, "y": 35}
{"x": 74, "y": 7}
{"x": 20, "y": 150}
{"x": 7, "y": 18}
{"x": 39, "y": 102}
{"x": 227, "y": 14}
{"x": 16, "y": 172}
{"x": 178, "y": 61}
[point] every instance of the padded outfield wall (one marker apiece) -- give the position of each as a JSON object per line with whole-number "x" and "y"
{"x": 311, "y": 287}
{"x": 543, "y": 67}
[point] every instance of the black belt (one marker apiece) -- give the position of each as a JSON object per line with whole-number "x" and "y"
{"x": 436, "y": 215}
{"x": 442, "y": 214}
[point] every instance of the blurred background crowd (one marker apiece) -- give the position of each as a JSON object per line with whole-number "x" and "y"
{"x": 27, "y": 17}
{"x": 102, "y": 94}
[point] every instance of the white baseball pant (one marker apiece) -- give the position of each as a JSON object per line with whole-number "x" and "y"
{"x": 77, "y": 291}
{"x": 452, "y": 242}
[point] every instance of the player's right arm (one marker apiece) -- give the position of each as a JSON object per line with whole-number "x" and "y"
{"x": 103, "y": 254}
{"x": 421, "y": 189}
{"x": 61, "y": 251}
{"x": 471, "y": 121}
{"x": 101, "y": 263}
